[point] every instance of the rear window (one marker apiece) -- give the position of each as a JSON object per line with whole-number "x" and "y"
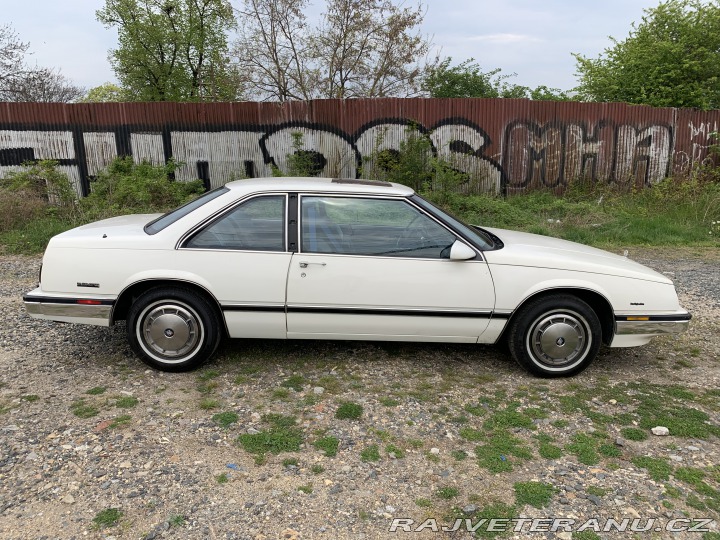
{"x": 157, "y": 225}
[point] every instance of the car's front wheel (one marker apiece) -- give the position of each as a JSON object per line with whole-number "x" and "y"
{"x": 555, "y": 336}
{"x": 173, "y": 329}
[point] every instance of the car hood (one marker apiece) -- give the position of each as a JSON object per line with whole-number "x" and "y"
{"x": 533, "y": 250}
{"x": 106, "y": 233}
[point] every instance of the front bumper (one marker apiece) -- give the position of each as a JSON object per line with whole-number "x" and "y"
{"x": 651, "y": 324}
{"x": 95, "y": 311}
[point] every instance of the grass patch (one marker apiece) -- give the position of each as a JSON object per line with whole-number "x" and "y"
{"x": 222, "y": 478}
{"x": 495, "y": 455}
{"x": 370, "y": 453}
{"x": 282, "y": 435}
{"x": 126, "y": 402}
{"x": 307, "y": 488}
{"x": 583, "y": 448}
{"x": 317, "y": 469}
{"x": 399, "y": 453}
{"x": 225, "y": 419}
{"x": 120, "y": 421}
{"x": 537, "y": 494}
{"x": 389, "y": 402}
{"x": 208, "y": 404}
{"x": 549, "y": 451}
{"x": 634, "y": 434}
{"x": 82, "y": 410}
{"x": 349, "y": 411}
{"x": 447, "y": 493}
{"x": 296, "y": 382}
{"x": 107, "y": 518}
{"x": 459, "y": 455}
{"x": 329, "y": 445}
{"x": 423, "y": 503}
{"x": 176, "y": 520}
{"x": 96, "y": 390}
{"x": 30, "y": 397}
{"x": 658, "y": 468}
{"x": 288, "y": 462}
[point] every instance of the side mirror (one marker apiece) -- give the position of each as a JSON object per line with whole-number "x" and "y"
{"x": 460, "y": 251}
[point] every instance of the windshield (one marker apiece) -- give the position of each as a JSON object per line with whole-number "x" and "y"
{"x": 157, "y": 225}
{"x": 481, "y": 238}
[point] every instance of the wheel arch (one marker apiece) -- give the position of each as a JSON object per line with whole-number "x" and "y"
{"x": 128, "y": 295}
{"x": 597, "y": 302}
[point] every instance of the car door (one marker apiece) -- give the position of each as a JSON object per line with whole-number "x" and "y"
{"x": 243, "y": 259}
{"x": 379, "y": 268}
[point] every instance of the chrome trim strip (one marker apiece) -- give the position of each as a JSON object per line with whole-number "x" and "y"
{"x": 623, "y": 328}
{"x": 80, "y": 311}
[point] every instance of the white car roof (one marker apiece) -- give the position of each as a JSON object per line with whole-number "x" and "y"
{"x": 338, "y": 185}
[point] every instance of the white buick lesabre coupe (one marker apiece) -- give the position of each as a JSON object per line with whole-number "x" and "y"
{"x": 300, "y": 258}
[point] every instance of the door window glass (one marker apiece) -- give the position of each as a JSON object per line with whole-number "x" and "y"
{"x": 381, "y": 227}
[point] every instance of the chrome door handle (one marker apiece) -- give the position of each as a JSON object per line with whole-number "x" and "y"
{"x": 305, "y": 264}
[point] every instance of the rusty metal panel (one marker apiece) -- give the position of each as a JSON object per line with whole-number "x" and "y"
{"x": 503, "y": 145}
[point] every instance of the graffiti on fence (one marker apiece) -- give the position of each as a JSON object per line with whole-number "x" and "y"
{"x": 526, "y": 153}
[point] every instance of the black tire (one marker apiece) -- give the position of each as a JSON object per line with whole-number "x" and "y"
{"x": 555, "y": 336}
{"x": 173, "y": 329}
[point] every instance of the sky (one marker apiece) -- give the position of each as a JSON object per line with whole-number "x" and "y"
{"x": 531, "y": 38}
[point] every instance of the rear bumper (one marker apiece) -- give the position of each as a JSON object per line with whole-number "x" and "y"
{"x": 95, "y": 311}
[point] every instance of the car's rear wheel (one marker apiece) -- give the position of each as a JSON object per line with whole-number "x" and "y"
{"x": 555, "y": 336}
{"x": 173, "y": 329}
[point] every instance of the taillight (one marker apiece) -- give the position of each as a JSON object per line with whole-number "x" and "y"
{"x": 90, "y": 302}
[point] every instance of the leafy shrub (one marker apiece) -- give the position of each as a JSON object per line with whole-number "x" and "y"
{"x": 35, "y": 191}
{"x": 126, "y": 187}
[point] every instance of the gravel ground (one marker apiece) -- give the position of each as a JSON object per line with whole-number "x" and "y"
{"x": 446, "y": 431}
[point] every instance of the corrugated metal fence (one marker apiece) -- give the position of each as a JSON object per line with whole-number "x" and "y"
{"x": 505, "y": 145}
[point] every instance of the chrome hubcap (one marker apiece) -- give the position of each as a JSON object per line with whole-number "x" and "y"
{"x": 170, "y": 330}
{"x": 558, "y": 339}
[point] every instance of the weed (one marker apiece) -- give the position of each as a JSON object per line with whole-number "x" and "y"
{"x": 495, "y": 454}
{"x": 423, "y": 503}
{"x": 583, "y": 447}
{"x": 96, "y": 390}
{"x": 370, "y": 453}
{"x": 296, "y": 382}
{"x": 597, "y": 491}
{"x": 208, "y": 375}
{"x": 586, "y": 535}
{"x": 225, "y": 419}
{"x": 349, "y": 411}
{"x": 126, "y": 402}
{"x": 176, "y": 520}
{"x": 658, "y": 468}
{"x": 208, "y": 404}
{"x": 609, "y": 450}
{"x": 307, "y": 488}
{"x": 107, "y": 518}
{"x": 550, "y": 451}
{"x": 281, "y": 436}
{"x": 317, "y": 469}
{"x": 329, "y": 445}
{"x": 395, "y": 451}
{"x": 120, "y": 421}
{"x": 459, "y": 455}
{"x": 222, "y": 478}
{"x": 634, "y": 434}
{"x": 281, "y": 394}
{"x": 537, "y": 494}
{"x": 447, "y": 493}
{"x": 30, "y": 397}
{"x": 290, "y": 462}
{"x": 389, "y": 402}
{"x": 82, "y": 410}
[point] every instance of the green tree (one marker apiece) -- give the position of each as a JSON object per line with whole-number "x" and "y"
{"x": 670, "y": 59}
{"x": 468, "y": 80}
{"x": 171, "y": 50}
{"x": 105, "y": 93}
